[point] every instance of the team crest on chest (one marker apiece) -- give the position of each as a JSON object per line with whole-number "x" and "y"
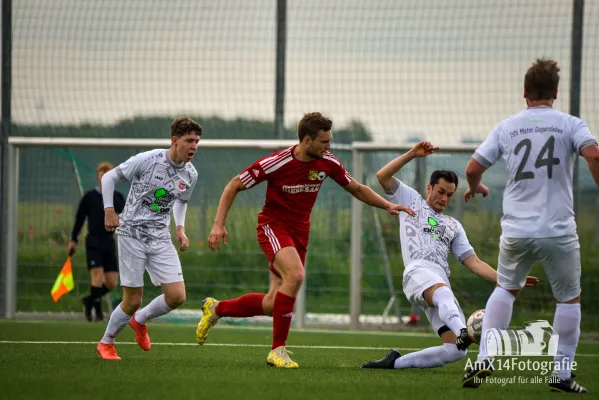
{"x": 317, "y": 175}
{"x": 182, "y": 185}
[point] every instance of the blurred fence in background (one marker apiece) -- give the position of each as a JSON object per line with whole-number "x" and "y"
{"x": 388, "y": 71}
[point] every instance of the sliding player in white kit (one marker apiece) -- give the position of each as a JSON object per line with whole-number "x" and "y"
{"x": 538, "y": 146}
{"x": 426, "y": 241}
{"x": 161, "y": 181}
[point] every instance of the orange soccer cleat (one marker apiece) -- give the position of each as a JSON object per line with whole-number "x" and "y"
{"x": 107, "y": 351}
{"x": 141, "y": 334}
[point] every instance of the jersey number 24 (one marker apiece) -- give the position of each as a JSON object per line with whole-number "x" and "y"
{"x": 544, "y": 159}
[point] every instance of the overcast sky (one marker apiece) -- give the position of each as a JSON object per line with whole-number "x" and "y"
{"x": 444, "y": 70}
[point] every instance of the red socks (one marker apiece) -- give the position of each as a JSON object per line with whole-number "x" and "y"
{"x": 281, "y": 319}
{"x": 248, "y": 305}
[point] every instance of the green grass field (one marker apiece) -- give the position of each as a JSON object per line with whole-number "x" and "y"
{"x": 57, "y": 360}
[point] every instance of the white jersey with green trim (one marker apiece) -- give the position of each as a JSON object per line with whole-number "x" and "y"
{"x": 156, "y": 183}
{"x": 428, "y": 237}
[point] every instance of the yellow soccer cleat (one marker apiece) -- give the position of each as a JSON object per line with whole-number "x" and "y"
{"x": 279, "y": 358}
{"x": 209, "y": 319}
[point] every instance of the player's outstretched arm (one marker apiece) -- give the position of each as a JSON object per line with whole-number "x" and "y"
{"x": 591, "y": 154}
{"x": 480, "y": 268}
{"x": 474, "y": 175}
{"x": 368, "y": 196}
{"x": 485, "y": 271}
{"x": 386, "y": 174}
{"x": 219, "y": 233}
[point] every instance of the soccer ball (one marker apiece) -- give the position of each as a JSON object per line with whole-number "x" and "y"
{"x": 474, "y": 325}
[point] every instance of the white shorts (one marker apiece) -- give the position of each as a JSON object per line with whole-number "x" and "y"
{"x": 416, "y": 279}
{"x": 161, "y": 261}
{"x": 560, "y": 257}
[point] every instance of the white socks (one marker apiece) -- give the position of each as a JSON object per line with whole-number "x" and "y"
{"x": 449, "y": 311}
{"x": 498, "y": 313}
{"x": 431, "y": 357}
{"x": 118, "y": 321}
{"x": 155, "y": 309}
{"x": 567, "y": 325}
{"x": 118, "y": 318}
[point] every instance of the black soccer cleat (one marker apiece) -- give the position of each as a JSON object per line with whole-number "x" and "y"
{"x": 387, "y": 362}
{"x": 87, "y": 307}
{"x": 476, "y": 375}
{"x": 464, "y": 340}
{"x": 556, "y": 384}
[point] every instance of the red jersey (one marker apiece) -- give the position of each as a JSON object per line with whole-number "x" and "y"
{"x": 292, "y": 185}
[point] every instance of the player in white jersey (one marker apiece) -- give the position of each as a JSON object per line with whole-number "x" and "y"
{"x": 161, "y": 181}
{"x": 426, "y": 241}
{"x": 538, "y": 146}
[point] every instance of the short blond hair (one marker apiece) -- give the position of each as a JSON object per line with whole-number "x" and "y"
{"x": 104, "y": 167}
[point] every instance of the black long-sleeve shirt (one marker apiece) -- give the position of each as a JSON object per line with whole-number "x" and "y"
{"x": 92, "y": 207}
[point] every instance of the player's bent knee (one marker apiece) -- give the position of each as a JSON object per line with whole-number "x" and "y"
{"x": 97, "y": 276}
{"x": 111, "y": 282}
{"x": 131, "y": 305}
{"x": 294, "y": 276}
{"x": 175, "y": 300}
{"x": 297, "y": 276}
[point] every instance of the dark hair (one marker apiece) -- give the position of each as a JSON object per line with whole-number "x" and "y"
{"x": 184, "y": 126}
{"x": 541, "y": 79}
{"x": 449, "y": 176}
{"x": 312, "y": 124}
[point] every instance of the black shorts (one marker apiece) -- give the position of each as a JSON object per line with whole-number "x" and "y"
{"x": 105, "y": 258}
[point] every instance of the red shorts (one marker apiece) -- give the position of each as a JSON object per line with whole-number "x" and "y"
{"x": 273, "y": 237}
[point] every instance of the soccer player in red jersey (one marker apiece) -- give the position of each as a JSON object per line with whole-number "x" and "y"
{"x": 294, "y": 177}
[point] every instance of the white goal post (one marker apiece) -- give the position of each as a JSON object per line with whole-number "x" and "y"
{"x": 9, "y": 239}
{"x": 358, "y": 150}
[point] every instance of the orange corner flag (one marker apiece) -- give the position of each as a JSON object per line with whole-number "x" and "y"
{"x": 64, "y": 283}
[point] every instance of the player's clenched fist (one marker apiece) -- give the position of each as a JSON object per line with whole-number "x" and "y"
{"x": 181, "y": 237}
{"x": 217, "y": 234}
{"x": 423, "y": 149}
{"x": 111, "y": 219}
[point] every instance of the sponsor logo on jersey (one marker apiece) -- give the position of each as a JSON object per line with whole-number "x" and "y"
{"x": 256, "y": 172}
{"x": 162, "y": 199}
{"x": 432, "y": 223}
{"x": 321, "y": 175}
{"x": 309, "y": 188}
{"x": 438, "y": 231}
